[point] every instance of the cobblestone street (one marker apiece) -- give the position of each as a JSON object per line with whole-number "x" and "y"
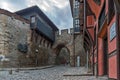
{"x": 54, "y": 73}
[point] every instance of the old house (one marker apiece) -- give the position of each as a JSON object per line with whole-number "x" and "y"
{"x": 101, "y": 35}
{"x": 42, "y": 36}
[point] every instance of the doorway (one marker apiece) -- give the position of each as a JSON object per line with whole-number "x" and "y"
{"x": 105, "y": 55}
{"x": 78, "y": 61}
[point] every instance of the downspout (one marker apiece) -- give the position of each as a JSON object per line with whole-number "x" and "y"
{"x": 84, "y": 17}
{"x": 73, "y": 36}
{"x": 84, "y": 29}
{"x": 87, "y": 60}
{"x": 97, "y": 55}
{"x": 118, "y": 45}
{"x": 93, "y": 58}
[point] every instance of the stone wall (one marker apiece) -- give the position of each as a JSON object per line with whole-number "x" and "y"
{"x": 79, "y": 50}
{"x": 13, "y": 32}
{"x": 43, "y": 56}
{"x": 74, "y": 43}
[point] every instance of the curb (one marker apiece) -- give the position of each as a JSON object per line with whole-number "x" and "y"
{"x": 78, "y": 75}
{"x": 22, "y": 69}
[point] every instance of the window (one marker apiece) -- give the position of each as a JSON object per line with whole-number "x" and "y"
{"x": 102, "y": 17}
{"x": 76, "y": 8}
{"x": 97, "y": 1}
{"x": 33, "y": 19}
{"x": 76, "y": 4}
{"x": 76, "y": 25}
{"x": 77, "y": 22}
{"x": 32, "y": 22}
{"x": 111, "y": 10}
{"x": 113, "y": 31}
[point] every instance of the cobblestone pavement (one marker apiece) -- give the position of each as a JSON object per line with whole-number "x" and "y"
{"x": 54, "y": 73}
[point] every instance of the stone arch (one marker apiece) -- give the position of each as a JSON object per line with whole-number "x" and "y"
{"x": 58, "y": 49}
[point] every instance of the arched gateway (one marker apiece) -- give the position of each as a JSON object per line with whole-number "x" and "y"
{"x": 68, "y": 48}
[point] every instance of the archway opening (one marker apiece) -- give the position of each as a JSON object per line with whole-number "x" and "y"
{"x": 62, "y": 56}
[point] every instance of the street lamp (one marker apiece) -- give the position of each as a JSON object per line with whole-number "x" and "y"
{"x": 36, "y": 52}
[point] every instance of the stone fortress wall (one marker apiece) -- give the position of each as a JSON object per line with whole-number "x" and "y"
{"x": 73, "y": 42}
{"x": 14, "y": 30}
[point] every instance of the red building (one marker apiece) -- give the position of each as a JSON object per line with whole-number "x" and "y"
{"x": 101, "y": 36}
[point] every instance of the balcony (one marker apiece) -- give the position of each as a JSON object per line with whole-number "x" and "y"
{"x": 43, "y": 29}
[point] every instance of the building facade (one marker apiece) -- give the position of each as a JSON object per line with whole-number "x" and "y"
{"x": 101, "y": 36}
{"x": 78, "y": 23}
{"x": 74, "y": 47}
{"x": 26, "y": 38}
{"x": 42, "y": 36}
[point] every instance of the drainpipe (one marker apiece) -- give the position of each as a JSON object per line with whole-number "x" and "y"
{"x": 97, "y": 57}
{"x": 74, "y": 45}
{"x": 73, "y": 36}
{"x": 118, "y": 45}
{"x": 87, "y": 60}
{"x": 93, "y": 59}
{"x": 84, "y": 17}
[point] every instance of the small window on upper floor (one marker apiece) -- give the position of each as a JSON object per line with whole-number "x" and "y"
{"x": 76, "y": 8}
{"x": 76, "y": 25}
{"x": 111, "y": 10}
{"x": 97, "y": 1}
{"x": 32, "y": 19}
{"x": 77, "y": 22}
{"x": 76, "y": 4}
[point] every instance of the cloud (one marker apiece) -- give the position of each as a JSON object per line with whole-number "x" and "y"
{"x": 57, "y": 10}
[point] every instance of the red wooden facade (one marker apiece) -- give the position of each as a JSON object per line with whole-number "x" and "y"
{"x": 101, "y": 36}
{"x": 102, "y": 26}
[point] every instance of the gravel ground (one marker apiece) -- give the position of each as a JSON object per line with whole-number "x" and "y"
{"x": 54, "y": 73}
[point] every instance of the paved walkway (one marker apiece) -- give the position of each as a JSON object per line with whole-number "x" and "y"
{"x": 54, "y": 73}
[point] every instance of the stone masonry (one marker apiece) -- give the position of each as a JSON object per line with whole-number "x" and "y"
{"x": 67, "y": 40}
{"x": 13, "y": 31}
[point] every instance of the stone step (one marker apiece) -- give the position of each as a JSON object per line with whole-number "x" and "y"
{"x": 78, "y": 75}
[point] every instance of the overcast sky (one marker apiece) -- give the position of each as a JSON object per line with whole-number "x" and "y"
{"x": 57, "y": 10}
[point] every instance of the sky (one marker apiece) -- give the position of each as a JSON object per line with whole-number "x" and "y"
{"x": 58, "y": 11}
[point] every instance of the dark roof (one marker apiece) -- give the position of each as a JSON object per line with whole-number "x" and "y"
{"x": 40, "y": 13}
{"x": 8, "y": 13}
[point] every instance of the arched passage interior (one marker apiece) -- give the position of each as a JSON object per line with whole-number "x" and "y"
{"x": 62, "y": 55}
